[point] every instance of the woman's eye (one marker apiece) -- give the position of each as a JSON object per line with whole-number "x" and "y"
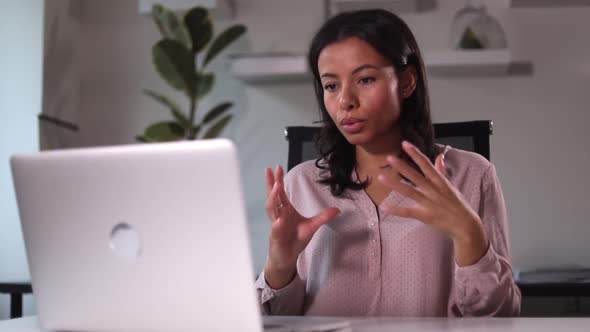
{"x": 330, "y": 87}
{"x": 367, "y": 80}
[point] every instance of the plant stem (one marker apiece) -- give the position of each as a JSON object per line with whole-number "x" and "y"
{"x": 192, "y": 111}
{"x": 193, "y": 107}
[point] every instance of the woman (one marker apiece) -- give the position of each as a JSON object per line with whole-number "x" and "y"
{"x": 386, "y": 222}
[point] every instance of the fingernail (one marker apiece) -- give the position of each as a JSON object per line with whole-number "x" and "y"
{"x": 407, "y": 144}
{"x": 391, "y": 159}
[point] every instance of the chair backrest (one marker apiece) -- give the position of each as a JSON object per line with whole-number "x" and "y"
{"x": 471, "y": 136}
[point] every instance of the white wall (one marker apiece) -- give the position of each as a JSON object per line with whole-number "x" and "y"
{"x": 540, "y": 138}
{"x": 21, "y": 36}
{"x": 61, "y": 72}
{"x": 539, "y": 143}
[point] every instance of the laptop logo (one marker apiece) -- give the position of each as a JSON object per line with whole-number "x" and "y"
{"x": 125, "y": 242}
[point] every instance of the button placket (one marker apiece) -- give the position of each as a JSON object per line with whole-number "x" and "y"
{"x": 374, "y": 243}
{"x": 372, "y": 214}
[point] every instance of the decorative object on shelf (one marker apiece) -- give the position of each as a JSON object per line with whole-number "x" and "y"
{"x": 395, "y": 6}
{"x": 473, "y": 28}
{"x": 176, "y": 59}
{"x": 220, "y": 9}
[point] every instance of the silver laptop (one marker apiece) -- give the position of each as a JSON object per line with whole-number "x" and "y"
{"x": 138, "y": 238}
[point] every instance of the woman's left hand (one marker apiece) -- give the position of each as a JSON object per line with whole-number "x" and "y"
{"x": 438, "y": 203}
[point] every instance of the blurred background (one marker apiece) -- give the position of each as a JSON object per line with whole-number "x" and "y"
{"x": 82, "y": 65}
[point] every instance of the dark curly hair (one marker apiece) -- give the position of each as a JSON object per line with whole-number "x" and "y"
{"x": 392, "y": 38}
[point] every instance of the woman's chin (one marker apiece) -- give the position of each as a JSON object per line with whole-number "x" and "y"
{"x": 356, "y": 139}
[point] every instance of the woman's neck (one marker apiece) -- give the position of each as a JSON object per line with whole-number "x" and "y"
{"x": 372, "y": 158}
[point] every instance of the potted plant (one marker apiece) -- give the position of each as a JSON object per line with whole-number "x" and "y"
{"x": 177, "y": 61}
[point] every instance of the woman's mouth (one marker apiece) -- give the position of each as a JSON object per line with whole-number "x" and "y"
{"x": 352, "y": 125}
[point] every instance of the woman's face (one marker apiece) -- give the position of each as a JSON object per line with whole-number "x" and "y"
{"x": 361, "y": 91}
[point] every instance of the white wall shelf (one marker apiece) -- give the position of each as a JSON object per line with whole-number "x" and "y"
{"x": 548, "y": 3}
{"x": 222, "y": 9}
{"x": 269, "y": 67}
{"x": 260, "y": 68}
{"x": 464, "y": 63}
{"x": 395, "y": 6}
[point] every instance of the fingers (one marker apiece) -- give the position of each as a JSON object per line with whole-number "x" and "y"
{"x": 421, "y": 160}
{"x": 277, "y": 203}
{"x": 270, "y": 180}
{"x": 272, "y": 202}
{"x": 279, "y": 174}
{"x": 271, "y": 194}
{"x": 406, "y": 170}
{"x": 283, "y": 201}
{"x": 402, "y": 188}
{"x": 439, "y": 164}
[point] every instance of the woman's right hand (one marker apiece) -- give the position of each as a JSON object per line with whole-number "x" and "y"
{"x": 290, "y": 232}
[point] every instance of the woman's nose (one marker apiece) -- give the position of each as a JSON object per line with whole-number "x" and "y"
{"x": 348, "y": 100}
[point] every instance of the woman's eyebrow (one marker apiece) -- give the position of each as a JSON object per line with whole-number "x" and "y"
{"x": 356, "y": 70}
{"x": 363, "y": 67}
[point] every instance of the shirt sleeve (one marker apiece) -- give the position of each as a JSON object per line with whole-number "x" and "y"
{"x": 487, "y": 288}
{"x": 287, "y": 301}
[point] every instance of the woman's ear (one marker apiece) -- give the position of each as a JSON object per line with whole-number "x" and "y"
{"x": 407, "y": 80}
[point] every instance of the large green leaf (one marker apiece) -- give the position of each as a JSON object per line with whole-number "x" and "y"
{"x": 223, "y": 40}
{"x": 200, "y": 28}
{"x": 164, "y": 132}
{"x": 170, "y": 26}
{"x": 174, "y": 108}
{"x": 204, "y": 84}
{"x": 216, "y": 129}
{"x": 175, "y": 64}
{"x": 216, "y": 111}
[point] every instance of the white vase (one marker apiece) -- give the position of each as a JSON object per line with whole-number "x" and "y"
{"x": 474, "y": 28}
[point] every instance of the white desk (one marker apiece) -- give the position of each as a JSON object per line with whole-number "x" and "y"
{"x": 29, "y": 324}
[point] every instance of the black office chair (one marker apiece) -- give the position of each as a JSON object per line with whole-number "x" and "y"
{"x": 471, "y": 136}
{"x": 16, "y": 290}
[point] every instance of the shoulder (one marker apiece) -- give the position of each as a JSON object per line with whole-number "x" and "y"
{"x": 303, "y": 188}
{"x": 469, "y": 172}
{"x": 304, "y": 174}
{"x": 462, "y": 163}
{"x": 307, "y": 167}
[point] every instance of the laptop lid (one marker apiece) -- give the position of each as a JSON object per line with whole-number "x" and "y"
{"x": 149, "y": 237}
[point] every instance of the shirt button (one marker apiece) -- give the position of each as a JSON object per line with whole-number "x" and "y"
{"x": 372, "y": 224}
{"x": 373, "y": 254}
